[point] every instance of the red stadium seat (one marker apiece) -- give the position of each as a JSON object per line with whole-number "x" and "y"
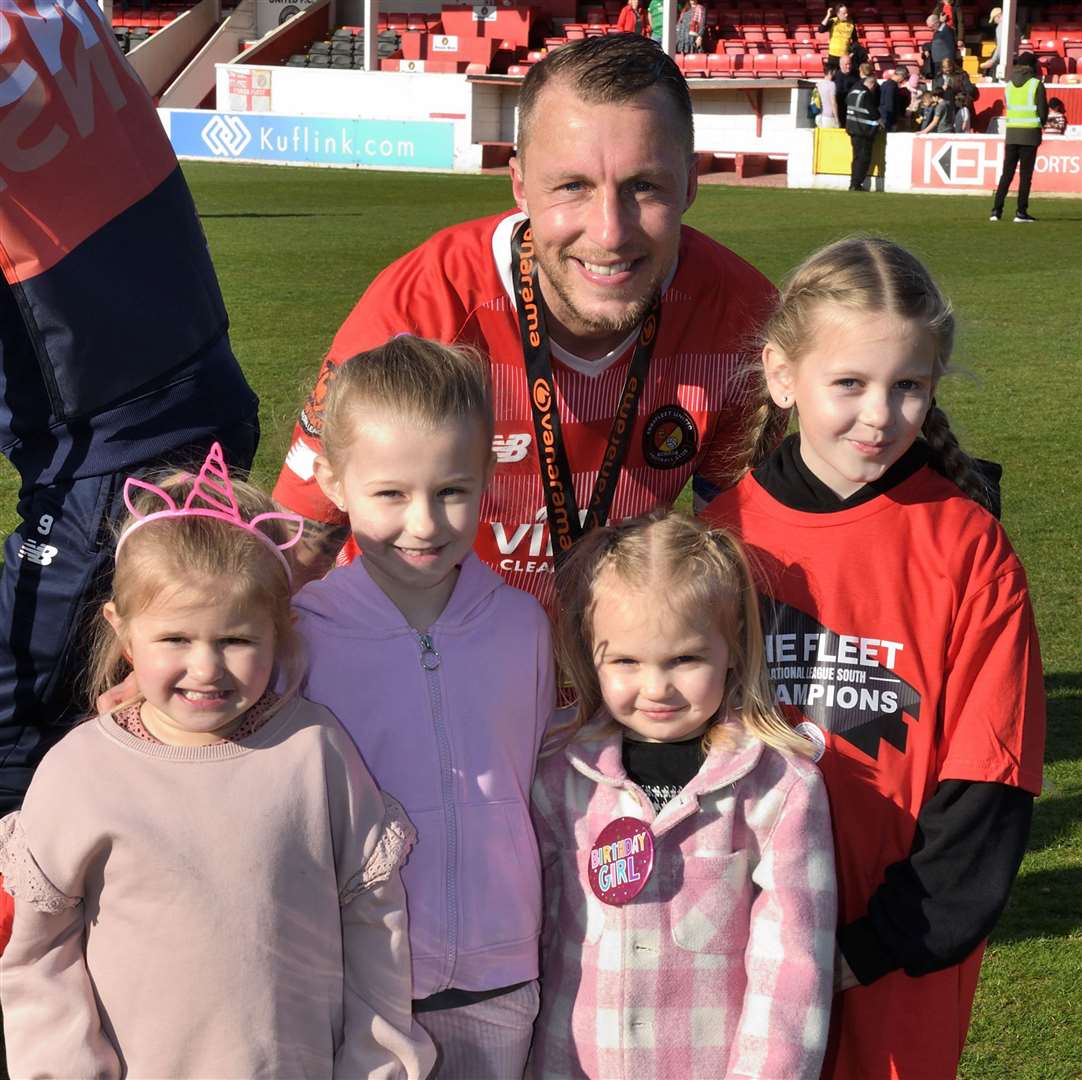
{"x": 765, "y": 66}
{"x": 719, "y": 64}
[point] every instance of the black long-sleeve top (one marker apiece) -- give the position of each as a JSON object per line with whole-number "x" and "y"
{"x": 933, "y": 908}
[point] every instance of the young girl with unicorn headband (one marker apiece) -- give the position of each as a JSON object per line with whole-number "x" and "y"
{"x": 207, "y": 878}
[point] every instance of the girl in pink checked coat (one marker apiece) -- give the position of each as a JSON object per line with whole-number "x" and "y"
{"x": 688, "y": 864}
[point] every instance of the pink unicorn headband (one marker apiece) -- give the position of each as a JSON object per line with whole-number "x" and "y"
{"x": 214, "y": 490}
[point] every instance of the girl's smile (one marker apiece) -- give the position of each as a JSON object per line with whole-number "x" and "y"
{"x": 413, "y": 496}
{"x": 662, "y": 676}
{"x": 201, "y": 661}
{"x": 862, "y": 391}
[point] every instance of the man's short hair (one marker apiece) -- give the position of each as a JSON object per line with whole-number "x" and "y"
{"x": 608, "y": 70}
{"x": 902, "y": 70}
{"x": 1026, "y": 59}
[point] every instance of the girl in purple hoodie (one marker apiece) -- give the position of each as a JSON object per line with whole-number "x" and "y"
{"x": 443, "y": 676}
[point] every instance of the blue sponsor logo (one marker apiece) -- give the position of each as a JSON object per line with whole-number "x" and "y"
{"x": 405, "y": 144}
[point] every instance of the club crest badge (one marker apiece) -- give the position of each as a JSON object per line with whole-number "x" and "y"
{"x": 670, "y": 438}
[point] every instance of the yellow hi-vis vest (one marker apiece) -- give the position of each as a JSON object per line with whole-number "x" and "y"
{"x": 1022, "y": 104}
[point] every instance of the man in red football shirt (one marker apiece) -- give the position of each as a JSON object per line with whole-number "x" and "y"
{"x": 605, "y": 320}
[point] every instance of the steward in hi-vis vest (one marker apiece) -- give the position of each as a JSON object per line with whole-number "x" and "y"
{"x": 861, "y": 117}
{"x": 862, "y": 123}
{"x": 1022, "y": 104}
{"x": 1027, "y": 111}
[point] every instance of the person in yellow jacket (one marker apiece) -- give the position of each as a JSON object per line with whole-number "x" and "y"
{"x": 843, "y": 32}
{"x": 1027, "y": 111}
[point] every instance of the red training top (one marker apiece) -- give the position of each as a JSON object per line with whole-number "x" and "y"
{"x": 456, "y": 287}
{"x": 903, "y": 639}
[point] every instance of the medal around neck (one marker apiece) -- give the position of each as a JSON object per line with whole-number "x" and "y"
{"x": 621, "y": 859}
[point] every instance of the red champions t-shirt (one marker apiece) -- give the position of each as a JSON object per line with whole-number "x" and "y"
{"x": 456, "y": 287}
{"x": 900, "y": 638}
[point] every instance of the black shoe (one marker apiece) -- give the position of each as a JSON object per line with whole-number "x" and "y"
{"x": 1021, "y": 215}
{"x": 995, "y": 215}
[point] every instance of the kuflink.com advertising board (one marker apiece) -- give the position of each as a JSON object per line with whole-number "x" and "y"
{"x": 313, "y": 140}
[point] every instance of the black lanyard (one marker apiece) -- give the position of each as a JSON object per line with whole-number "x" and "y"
{"x": 556, "y": 478}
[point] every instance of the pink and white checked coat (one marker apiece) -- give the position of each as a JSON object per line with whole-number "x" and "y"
{"x": 722, "y": 966}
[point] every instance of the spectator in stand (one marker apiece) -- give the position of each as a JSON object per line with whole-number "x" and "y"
{"x": 828, "y": 103}
{"x": 633, "y": 19}
{"x": 862, "y": 124}
{"x": 941, "y": 117}
{"x": 995, "y": 20}
{"x": 1056, "y": 124}
{"x": 894, "y": 99}
{"x": 690, "y": 28}
{"x": 845, "y": 78}
{"x": 922, "y": 110}
{"x": 1027, "y": 113}
{"x": 843, "y": 32}
{"x": 953, "y": 80}
{"x": 657, "y": 18}
{"x": 944, "y": 44}
{"x": 963, "y": 115}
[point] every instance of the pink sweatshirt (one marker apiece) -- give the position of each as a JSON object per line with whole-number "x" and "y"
{"x": 449, "y": 723}
{"x": 231, "y": 910}
{"x": 722, "y": 966}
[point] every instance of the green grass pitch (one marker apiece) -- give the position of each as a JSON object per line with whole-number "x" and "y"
{"x": 294, "y": 248}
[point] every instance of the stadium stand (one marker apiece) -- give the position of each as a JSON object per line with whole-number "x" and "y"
{"x": 134, "y": 22}
{"x": 771, "y": 39}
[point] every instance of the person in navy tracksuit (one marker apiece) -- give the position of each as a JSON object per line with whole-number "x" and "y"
{"x": 114, "y": 350}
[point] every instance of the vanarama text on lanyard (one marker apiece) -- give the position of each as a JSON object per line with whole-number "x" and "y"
{"x": 556, "y": 479}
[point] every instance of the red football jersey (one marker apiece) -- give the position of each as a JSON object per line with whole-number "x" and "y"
{"x": 900, "y": 638}
{"x": 456, "y": 287}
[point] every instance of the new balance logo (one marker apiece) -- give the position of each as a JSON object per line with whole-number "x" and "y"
{"x": 226, "y": 136}
{"x": 36, "y": 552}
{"x": 510, "y": 448}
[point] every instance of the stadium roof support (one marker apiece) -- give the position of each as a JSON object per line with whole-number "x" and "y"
{"x": 371, "y": 40}
{"x": 1010, "y": 39}
{"x": 668, "y": 30}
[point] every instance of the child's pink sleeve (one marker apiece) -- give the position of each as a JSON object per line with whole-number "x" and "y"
{"x": 51, "y": 1021}
{"x": 790, "y": 953}
{"x": 372, "y": 837}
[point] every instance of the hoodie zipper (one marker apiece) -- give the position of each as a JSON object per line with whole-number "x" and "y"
{"x": 430, "y": 663}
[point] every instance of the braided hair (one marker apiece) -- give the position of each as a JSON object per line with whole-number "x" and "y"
{"x": 870, "y": 275}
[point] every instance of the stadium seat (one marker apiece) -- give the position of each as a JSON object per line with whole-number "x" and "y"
{"x": 719, "y": 64}
{"x": 788, "y": 65}
{"x": 765, "y": 67}
{"x": 695, "y": 66}
{"x": 297, "y": 60}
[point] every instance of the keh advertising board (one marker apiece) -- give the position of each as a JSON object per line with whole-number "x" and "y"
{"x": 974, "y": 162}
{"x": 314, "y": 140}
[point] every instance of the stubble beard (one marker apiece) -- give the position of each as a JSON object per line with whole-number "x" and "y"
{"x": 589, "y": 324}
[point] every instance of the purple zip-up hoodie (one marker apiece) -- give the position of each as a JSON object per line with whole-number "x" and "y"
{"x": 449, "y": 723}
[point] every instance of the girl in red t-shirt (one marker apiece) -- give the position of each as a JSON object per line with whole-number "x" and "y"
{"x": 900, "y": 639}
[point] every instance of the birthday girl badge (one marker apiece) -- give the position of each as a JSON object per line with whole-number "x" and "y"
{"x": 621, "y": 860}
